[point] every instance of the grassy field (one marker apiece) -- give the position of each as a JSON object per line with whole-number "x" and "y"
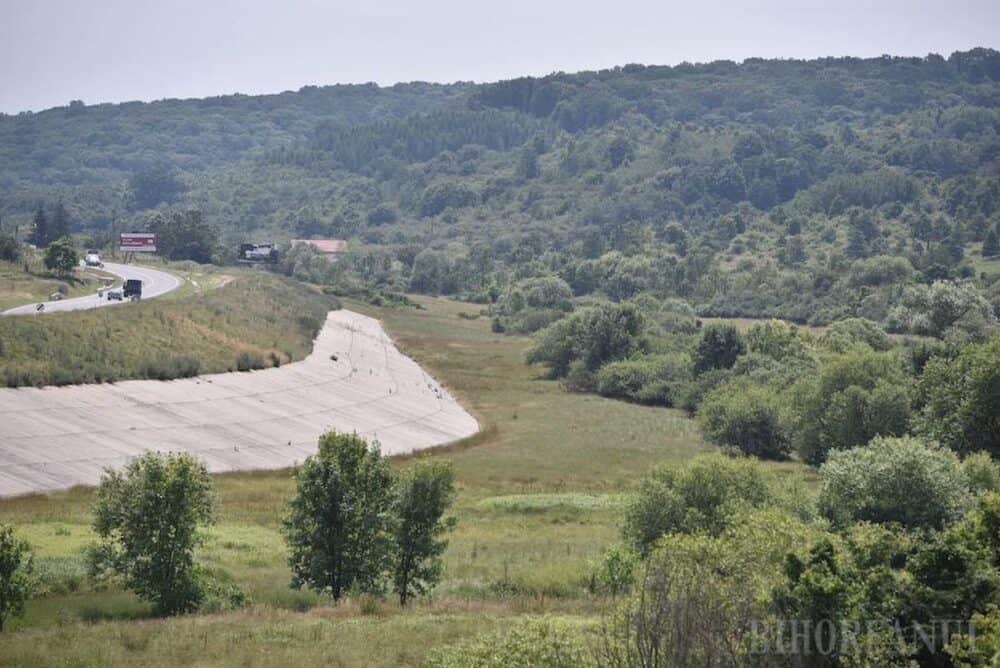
{"x": 260, "y": 316}
{"x": 540, "y": 496}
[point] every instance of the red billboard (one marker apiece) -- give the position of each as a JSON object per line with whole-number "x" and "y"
{"x": 137, "y": 242}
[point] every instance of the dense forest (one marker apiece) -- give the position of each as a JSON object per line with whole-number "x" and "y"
{"x": 806, "y": 190}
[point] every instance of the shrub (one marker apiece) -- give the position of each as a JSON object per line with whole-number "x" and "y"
{"x": 902, "y": 480}
{"x": 615, "y": 573}
{"x": 843, "y": 334}
{"x": 747, "y": 417}
{"x": 718, "y": 348}
{"x": 10, "y": 249}
{"x": 651, "y": 379}
{"x": 249, "y": 360}
{"x": 16, "y": 574}
{"x": 961, "y": 399}
{"x": 168, "y": 368}
{"x": 982, "y": 472}
{"x": 699, "y": 497}
{"x": 858, "y": 395}
{"x": 542, "y": 643}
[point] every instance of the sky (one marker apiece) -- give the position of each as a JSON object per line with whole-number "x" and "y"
{"x": 54, "y": 51}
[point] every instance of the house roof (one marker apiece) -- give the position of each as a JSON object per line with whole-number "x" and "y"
{"x": 324, "y": 245}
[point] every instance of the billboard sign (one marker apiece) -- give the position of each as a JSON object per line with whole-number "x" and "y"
{"x": 137, "y": 242}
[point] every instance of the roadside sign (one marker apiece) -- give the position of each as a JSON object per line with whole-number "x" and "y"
{"x": 137, "y": 242}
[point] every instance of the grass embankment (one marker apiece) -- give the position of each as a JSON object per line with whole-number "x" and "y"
{"x": 19, "y": 286}
{"x": 540, "y": 493}
{"x": 254, "y": 320}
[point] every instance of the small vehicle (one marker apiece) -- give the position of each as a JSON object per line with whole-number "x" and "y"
{"x": 93, "y": 258}
{"x": 114, "y": 295}
{"x": 55, "y": 296}
{"x": 132, "y": 289}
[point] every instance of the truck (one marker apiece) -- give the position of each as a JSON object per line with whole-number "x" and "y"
{"x": 132, "y": 289}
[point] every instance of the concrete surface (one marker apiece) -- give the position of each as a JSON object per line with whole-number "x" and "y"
{"x": 154, "y": 284}
{"x": 56, "y": 437}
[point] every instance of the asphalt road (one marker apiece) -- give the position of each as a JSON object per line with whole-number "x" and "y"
{"x": 154, "y": 284}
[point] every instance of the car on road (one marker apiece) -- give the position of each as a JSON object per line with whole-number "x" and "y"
{"x": 93, "y": 258}
{"x": 114, "y": 295}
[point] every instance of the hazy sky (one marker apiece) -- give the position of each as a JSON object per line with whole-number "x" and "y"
{"x": 53, "y": 51}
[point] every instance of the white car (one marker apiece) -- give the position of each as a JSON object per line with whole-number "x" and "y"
{"x": 93, "y": 259}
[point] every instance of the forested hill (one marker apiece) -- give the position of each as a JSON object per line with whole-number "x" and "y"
{"x": 808, "y": 189}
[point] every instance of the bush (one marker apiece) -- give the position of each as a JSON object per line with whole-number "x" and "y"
{"x": 858, "y": 395}
{"x": 249, "y": 360}
{"x": 543, "y": 643}
{"x": 982, "y": 472}
{"x": 718, "y": 348}
{"x": 843, "y": 334}
{"x": 652, "y": 379}
{"x": 747, "y": 417}
{"x": 10, "y": 249}
{"x": 615, "y": 573}
{"x": 902, "y": 480}
{"x": 168, "y": 368}
{"x": 961, "y": 399}
{"x": 699, "y": 497}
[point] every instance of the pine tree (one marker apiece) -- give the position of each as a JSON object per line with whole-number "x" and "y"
{"x": 40, "y": 231}
{"x": 59, "y": 226}
{"x": 991, "y": 245}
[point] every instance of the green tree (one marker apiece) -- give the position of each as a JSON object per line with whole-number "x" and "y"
{"x": 10, "y": 250}
{"x": 960, "y": 399}
{"x": 718, "y": 348}
{"x": 699, "y": 497}
{"x": 422, "y": 496}
{"x": 40, "y": 228}
{"x": 148, "y": 517}
{"x": 184, "y": 235}
{"x": 61, "y": 256}
{"x": 59, "y": 225}
{"x": 338, "y": 527}
{"x": 593, "y": 336}
{"x": 858, "y": 395}
{"x": 747, "y": 417}
{"x": 902, "y": 480}
{"x": 16, "y": 574}
{"x": 991, "y": 244}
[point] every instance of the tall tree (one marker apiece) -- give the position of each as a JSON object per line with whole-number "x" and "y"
{"x": 991, "y": 245}
{"x": 422, "y": 496}
{"x": 40, "y": 228}
{"x": 338, "y": 526}
{"x": 59, "y": 225}
{"x": 61, "y": 257}
{"x": 147, "y": 517}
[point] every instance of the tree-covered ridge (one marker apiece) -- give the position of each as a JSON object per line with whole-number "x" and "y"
{"x": 809, "y": 190}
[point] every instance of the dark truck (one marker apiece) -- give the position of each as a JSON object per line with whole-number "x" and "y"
{"x": 132, "y": 289}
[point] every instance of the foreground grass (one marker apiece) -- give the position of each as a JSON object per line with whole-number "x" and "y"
{"x": 540, "y": 496}
{"x": 264, "y": 318}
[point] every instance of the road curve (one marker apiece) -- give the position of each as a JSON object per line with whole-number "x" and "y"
{"x": 154, "y": 284}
